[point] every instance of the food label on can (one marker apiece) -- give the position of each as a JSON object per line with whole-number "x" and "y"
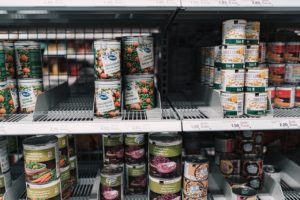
{"x": 292, "y": 54}
{"x": 29, "y": 62}
{"x": 195, "y": 189}
{"x": 50, "y": 192}
{"x": 233, "y": 80}
{"x": 5, "y": 183}
{"x": 105, "y": 102}
{"x": 111, "y": 181}
{"x": 111, "y": 62}
{"x": 10, "y": 61}
{"x": 27, "y": 97}
{"x": 292, "y": 73}
{"x": 145, "y": 54}
{"x": 66, "y": 185}
{"x": 112, "y": 140}
{"x": 113, "y": 149}
{"x": 256, "y": 80}
{"x": 277, "y": 73}
{"x": 262, "y": 52}
{"x": 234, "y": 32}
{"x": 111, "y": 187}
{"x": 136, "y": 178}
{"x": 63, "y": 150}
{"x": 232, "y": 104}
{"x": 256, "y": 103}
{"x": 131, "y": 95}
{"x": 165, "y": 187}
{"x": 233, "y": 57}
{"x": 196, "y": 172}
{"x": 252, "y": 56}
{"x": 4, "y": 162}
{"x": 136, "y": 139}
{"x": 13, "y": 92}
{"x": 230, "y": 167}
{"x": 138, "y": 170}
{"x": 252, "y": 32}
{"x": 168, "y": 151}
{"x": 285, "y": 97}
{"x": 275, "y": 52}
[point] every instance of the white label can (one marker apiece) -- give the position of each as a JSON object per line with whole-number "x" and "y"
{"x": 233, "y": 80}
{"x": 251, "y": 55}
{"x": 234, "y": 31}
{"x": 233, "y": 56}
{"x": 256, "y": 103}
{"x": 232, "y": 103}
{"x": 256, "y": 80}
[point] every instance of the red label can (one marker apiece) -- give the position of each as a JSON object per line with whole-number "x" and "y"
{"x": 285, "y": 97}
{"x": 276, "y": 73}
{"x": 275, "y": 52}
{"x": 292, "y": 52}
{"x": 297, "y": 96}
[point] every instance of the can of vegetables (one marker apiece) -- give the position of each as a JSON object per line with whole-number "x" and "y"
{"x": 108, "y": 98}
{"x": 165, "y": 155}
{"x": 139, "y": 92}
{"x": 28, "y": 59}
{"x": 111, "y": 183}
{"x": 135, "y": 147}
{"x": 5, "y": 183}
{"x": 3, "y": 70}
{"x": 41, "y": 159}
{"x": 12, "y": 87}
{"x": 5, "y": 99}
{"x": 10, "y": 63}
{"x": 138, "y": 55}
{"x": 66, "y": 184}
{"x": 113, "y": 149}
{"x": 29, "y": 89}
{"x": 73, "y": 170}
{"x": 49, "y": 191}
{"x": 63, "y": 145}
{"x": 107, "y": 59}
{"x": 136, "y": 178}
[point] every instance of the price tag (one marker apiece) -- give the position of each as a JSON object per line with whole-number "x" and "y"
{"x": 235, "y": 125}
{"x": 293, "y": 124}
{"x": 53, "y": 130}
{"x": 245, "y": 124}
{"x": 195, "y": 127}
{"x": 283, "y": 124}
{"x": 205, "y": 125}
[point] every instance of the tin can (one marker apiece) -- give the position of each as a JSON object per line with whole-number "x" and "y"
{"x": 10, "y": 63}
{"x": 211, "y": 76}
{"x": 255, "y": 182}
{"x": 63, "y": 147}
{"x": 218, "y": 56}
{"x": 72, "y": 145}
{"x": 138, "y": 55}
{"x": 262, "y": 52}
{"x": 196, "y": 168}
{"x": 275, "y": 52}
{"x": 165, "y": 155}
{"x": 107, "y": 61}
{"x": 236, "y": 180}
{"x": 232, "y": 103}
{"x": 256, "y": 80}
{"x": 245, "y": 146}
{"x": 217, "y": 78}
{"x": 252, "y": 165}
{"x": 258, "y": 137}
{"x": 277, "y": 73}
{"x": 251, "y": 56}
{"x": 233, "y": 31}
{"x": 185, "y": 197}
{"x": 285, "y": 97}
{"x": 108, "y": 98}
{"x": 233, "y": 57}
{"x": 245, "y": 135}
{"x": 292, "y": 52}
{"x": 230, "y": 164}
{"x": 273, "y": 172}
{"x": 111, "y": 183}
{"x": 256, "y": 104}
{"x": 4, "y": 99}
{"x": 12, "y": 87}
{"x": 28, "y": 59}
{"x": 243, "y": 193}
{"x": 5, "y": 183}
{"x": 113, "y": 149}
{"x": 252, "y": 32}
{"x": 292, "y": 73}
{"x": 297, "y": 96}
{"x": 136, "y": 178}
{"x": 224, "y": 144}
{"x": 41, "y": 159}
{"x": 50, "y": 190}
{"x": 233, "y": 80}
{"x": 164, "y": 188}
{"x": 4, "y": 162}
{"x": 29, "y": 89}
{"x": 66, "y": 184}
{"x": 135, "y": 147}
{"x": 73, "y": 170}
{"x": 140, "y": 92}
{"x": 195, "y": 189}
{"x": 271, "y": 95}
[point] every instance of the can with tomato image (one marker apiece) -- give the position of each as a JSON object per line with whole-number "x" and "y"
{"x": 28, "y": 59}
{"x": 140, "y": 92}
{"x": 276, "y": 73}
{"x": 292, "y": 73}
{"x": 50, "y": 190}
{"x": 252, "y": 32}
{"x": 136, "y": 178}
{"x": 233, "y": 80}
{"x": 138, "y": 55}
{"x": 256, "y": 104}
{"x": 251, "y": 56}
{"x": 297, "y": 96}
{"x": 285, "y": 96}
{"x": 196, "y": 168}
{"x": 66, "y": 184}
{"x": 256, "y": 80}
{"x": 135, "y": 147}
{"x": 113, "y": 149}
{"x": 292, "y": 52}
{"x": 108, "y": 98}
{"x": 165, "y": 155}
{"x": 41, "y": 159}
{"x": 195, "y": 189}
{"x": 73, "y": 170}
{"x": 252, "y": 165}
{"x": 10, "y": 63}
{"x": 230, "y": 164}
{"x": 232, "y": 103}
{"x": 12, "y": 87}
{"x": 5, "y": 183}
{"x": 262, "y": 52}
{"x": 63, "y": 146}
{"x": 234, "y": 31}
{"x": 275, "y": 52}
{"x": 271, "y": 95}
{"x": 107, "y": 61}
{"x": 160, "y": 188}
{"x": 243, "y": 193}
{"x": 111, "y": 183}
{"x": 233, "y": 56}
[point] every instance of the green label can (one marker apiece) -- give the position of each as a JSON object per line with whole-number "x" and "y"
{"x": 135, "y": 147}
{"x": 66, "y": 184}
{"x": 234, "y": 31}
{"x": 233, "y": 80}
{"x": 113, "y": 148}
{"x": 136, "y": 178}
{"x": 232, "y": 103}
{"x": 73, "y": 170}
{"x": 164, "y": 188}
{"x": 50, "y": 190}
{"x": 111, "y": 183}
{"x": 63, "y": 145}
{"x": 251, "y": 56}
{"x": 256, "y": 80}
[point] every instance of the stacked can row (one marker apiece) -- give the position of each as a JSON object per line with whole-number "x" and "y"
{"x": 5, "y": 175}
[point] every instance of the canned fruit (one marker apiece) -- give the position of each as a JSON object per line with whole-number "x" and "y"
{"x": 107, "y": 59}
{"x": 233, "y": 80}
{"x": 140, "y": 92}
{"x": 138, "y": 55}
{"x": 12, "y": 87}
{"x": 195, "y": 189}
{"x": 135, "y": 148}
{"x": 113, "y": 149}
{"x": 277, "y": 73}
{"x": 232, "y": 104}
{"x": 230, "y": 164}
{"x": 108, "y": 98}
{"x": 292, "y": 52}
{"x": 252, "y": 32}
{"x": 164, "y": 189}
{"x": 136, "y": 178}
{"x": 5, "y": 183}
{"x": 243, "y": 193}
{"x": 111, "y": 183}
{"x": 233, "y": 57}
{"x": 251, "y": 56}
{"x": 234, "y": 31}
{"x": 196, "y": 168}
{"x": 10, "y": 59}
{"x": 292, "y": 73}
{"x": 262, "y": 52}
{"x": 256, "y": 103}
{"x": 285, "y": 97}
{"x": 63, "y": 146}
{"x": 50, "y": 190}
{"x": 66, "y": 184}
{"x": 275, "y": 52}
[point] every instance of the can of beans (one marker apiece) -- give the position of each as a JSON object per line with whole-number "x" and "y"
{"x": 252, "y": 32}
{"x": 111, "y": 183}
{"x": 236, "y": 180}
{"x": 164, "y": 188}
{"x": 276, "y": 73}
{"x": 292, "y": 52}
{"x": 63, "y": 146}
{"x": 217, "y": 78}
{"x": 113, "y": 149}
{"x": 275, "y": 52}
{"x": 134, "y": 147}
{"x": 12, "y": 87}
{"x": 232, "y": 103}
{"x": 252, "y": 165}
{"x": 243, "y": 193}
{"x": 285, "y": 96}
{"x": 136, "y": 178}
{"x": 256, "y": 104}
{"x": 66, "y": 184}
{"x": 233, "y": 31}
{"x": 255, "y": 182}
{"x": 224, "y": 144}
{"x": 233, "y": 80}
{"x": 107, "y": 59}
{"x": 297, "y": 96}
{"x": 140, "y": 92}
{"x": 233, "y": 56}
{"x": 262, "y": 52}
{"x": 292, "y": 73}
{"x": 51, "y": 190}
{"x": 230, "y": 164}
{"x": 245, "y": 146}
{"x": 5, "y": 183}
{"x": 196, "y": 168}
{"x": 138, "y": 55}
{"x": 251, "y": 56}
{"x": 256, "y": 80}
{"x": 271, "y": 95}
{"x": 273, "y": 172}
{"x": 10, "y": 63}
{"x": 195, "y": 189}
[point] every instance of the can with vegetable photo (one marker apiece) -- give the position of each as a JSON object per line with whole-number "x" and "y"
{"x": 10, "y": 63}
{"x": 49, "y": 191}
{"x": 12, "y": 87}
{"x": 108, "y": 98}
{"x": 234, "y": 31}
{"x": 136, "y": 178}
{"x": 140, "y": 92}
{"x": 135, "y": 147}
{"x": 256, "y": 80}
{"x": 63, "y": 145}
{"x": 113, "y": 148}
{"x": 41, "y": 159}
{"x": 66, "y": 184}
{"x": 111, "y": 183}
{"x": 5, "y": 183}
{"x": 160, "y": 189}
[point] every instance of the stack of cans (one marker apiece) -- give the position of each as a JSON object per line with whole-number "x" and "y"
{"x": 73, "y": 160}
{"x": 5, "y": 176}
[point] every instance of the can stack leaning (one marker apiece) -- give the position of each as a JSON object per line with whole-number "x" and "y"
{"x": 5, "y": 175}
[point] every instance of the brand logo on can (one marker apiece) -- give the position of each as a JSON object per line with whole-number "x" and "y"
{"x": 147, "y": 50}
{"x": 112, "y": 57}
{"x": 111, "y": 180}
{"x": 25, "y": 93}
{"x": 103, "y": 96}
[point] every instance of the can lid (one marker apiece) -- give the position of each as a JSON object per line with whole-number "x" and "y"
{"x": 107, "y": 82}
{"x": 27, "y": 43}
{"x": 139, "y": 77}
{"x": 30, "y": 80}
{"x": 106, "y": 41}
{"x": 196, "y": 159}
{"x": 40, "y": 140}
{"x": 243, "y": 191}
{"x": 165, "y": 138}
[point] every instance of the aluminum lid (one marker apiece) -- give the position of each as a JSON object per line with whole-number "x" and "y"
{"x": 40, "y": 140}
{"x": 244, "y": 191}
{"x": 165, "y": 138}
{"x": 196, "y": 159}
{"x": 107, "y": 42}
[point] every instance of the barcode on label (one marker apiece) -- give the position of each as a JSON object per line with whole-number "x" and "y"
{"x": 240, "y": 107}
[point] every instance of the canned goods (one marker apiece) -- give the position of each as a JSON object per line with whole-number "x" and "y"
{"x": 218, "y": 56}
{"x": 66, "y": 184}
{"x": 256, "y": 80}
{"x": 234, "y": 32}
{"x": 262, "y": 52}
{"x": 256, "y": 104}
{"x": 217, "y": 78}
{"x": 12, "y": 87}
{"x": 3, "y": 70}
{"x": 29, "y": 89}
{"x": 277, "y": 73}
{"x": 297, "y": 96}
{"x": 292, "y": 73}
{"x": 140, "y": 92}
{"x": 271, "y": 95}
{"x": 275, "y": 52}
{"x": 4, "y": 99}
{"x": 243, "y": 193}
{"x": 50, "y": 190}
{"x": 252, "y": 32}
{"x": 73, "y": 170}
{"x": 236, "y": 180}
{"x": 251, "y": 56}
{"x": 255, "y": 182}
{"x": 233, "y": 57}
{"x": 285, "y": 97}
{"x": 160, "y": 189}
{"x": 252, "y": 165}
{"x": 196, "y": 168}
{"x": 211, "y": 76}
{"x": 273, "y": 172}
{"x": 195, "y": 189}
{"x": 230, "y": 164}
{"x": 5, "y": 183}
{"x": 108, "y": 98}
{"x": 207, "y": 74}
{"x": 28, "y": 59}
{"x": 10, "y": 63}
{"x": 135, "y": 147}
{"x": 245, "y": 146}
{"x": 111, "y": 183}
{"x": 113, "y": 150}
{"x": 165, "y": 155}
{"x": 107, "y": 59}
{"x": 185, "y": 197}
{"x": 232, "y": 103}
{"x": 292, "y": 52}
{"x": 4, "y": 162}
{"x": 63, "y": 146}
{"x": 138, "y": 55}
{"x": 258, "y": 137}
{"x": 136, "y": 178}
{"x": 233, "y": 80}
{"x": 72, "y": 145}
{"x": 41, "y": 159}
{"x": 224, "y": 144}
